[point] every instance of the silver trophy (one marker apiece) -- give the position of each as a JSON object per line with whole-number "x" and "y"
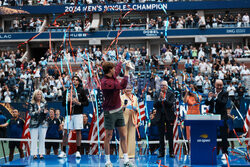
{"x": 129, "y": 64}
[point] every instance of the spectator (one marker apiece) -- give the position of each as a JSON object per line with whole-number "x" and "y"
{"x": 32, "y": 25}
{"x": 245, "y": 20}
{"x": 231, "y": 91}
{"x": 38, "y": 25}
{"x": 199, "y": 82}
{"x": 24, "y": 24}
{"x": 7, "y": 98}
{"x": 206, "y": 86}
{"x": 239, "y": 20}
{"x": 16, "y": 24}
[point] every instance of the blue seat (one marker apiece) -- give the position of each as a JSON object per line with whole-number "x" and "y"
{"x": 136, "y": 28}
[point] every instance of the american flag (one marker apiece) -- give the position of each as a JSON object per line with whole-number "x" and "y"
{"x": 247, "y": 124}
{"x": 26, "y": 135}
{"x": 175, "y": 133}
{"x": 93, "y": 133}
{"x": 141, "y": 114}
{"x": 72, "y": 146}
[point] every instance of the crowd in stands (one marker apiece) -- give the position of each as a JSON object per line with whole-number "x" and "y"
{"x": 25, "y": 25}
{"x": 191, "y": 20}
{"x": 77, "y": 25}
{"x": 19, "y": 76}
{"x": 228, "y": 20}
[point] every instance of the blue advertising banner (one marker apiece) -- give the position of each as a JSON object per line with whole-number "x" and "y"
{"x": 201, "y": 5}
{"x": 129, "y": 33}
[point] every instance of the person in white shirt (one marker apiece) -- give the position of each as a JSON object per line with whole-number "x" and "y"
{"x": 179, "y": 24}
{"x": 203, "y": 67}
{"x": 23, "y": 76}
{"x": 246, "y": 51}
{"x": 157, "y": 82}
{"x": 37, "y": 78}
{"x": 7, "y": 94}
{"x": 245, "y": 20}
{"x": 244, "y": 74}
{"x": 67, "y": 56}
{"x": 229, "y": 51}
{"x": 32, "y": 25}
{"x": 168, "y": 56}
{"x": 38, "y": 25}
{"x": 16, "y": 24}
{"x": 221, "y": 74}
{"x": 199, "y": 82}
{"x": 209, "y": 68}
{"x": 231, "y": 91}
{"x": 213, "y": 50}
{"x": 201, "y": 55}
{"x": 206, "y": 86}
{"x": 222, "y": 52}
{"x": 98, "y": 54}
{"x": 234, "y": 68}
{"x": 238, "y": 51}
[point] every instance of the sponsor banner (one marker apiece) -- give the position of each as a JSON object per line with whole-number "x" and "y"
{"x": 129, "y": 33}
{"x": 80, "y": 8}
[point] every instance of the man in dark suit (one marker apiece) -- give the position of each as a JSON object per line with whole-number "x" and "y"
{"x": 217, "y": 101}
{"x": 165, "y": 116}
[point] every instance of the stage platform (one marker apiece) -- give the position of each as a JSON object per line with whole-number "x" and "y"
{"x": 98, "y": 161}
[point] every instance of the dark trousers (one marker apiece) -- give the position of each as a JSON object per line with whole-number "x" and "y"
{"x": 169, "y": 125}
{"x": 224, "y": 135}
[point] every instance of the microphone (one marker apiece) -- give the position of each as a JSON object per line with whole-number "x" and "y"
{"x": 125, "y": 103}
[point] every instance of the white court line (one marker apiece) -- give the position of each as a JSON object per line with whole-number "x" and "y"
{"x": 112, "y": 142}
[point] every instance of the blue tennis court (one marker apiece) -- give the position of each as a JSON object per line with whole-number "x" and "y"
{"x": 140, "y": 161}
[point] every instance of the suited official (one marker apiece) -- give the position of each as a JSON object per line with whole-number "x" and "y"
{"x": 165, "y": 116}
{"x": 217, "y": 101}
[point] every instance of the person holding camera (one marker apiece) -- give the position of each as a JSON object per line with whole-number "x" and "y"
{"x": 130, "y": 105}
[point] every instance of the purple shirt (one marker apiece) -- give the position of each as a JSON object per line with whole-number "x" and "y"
{"x": 111, "y": 87}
